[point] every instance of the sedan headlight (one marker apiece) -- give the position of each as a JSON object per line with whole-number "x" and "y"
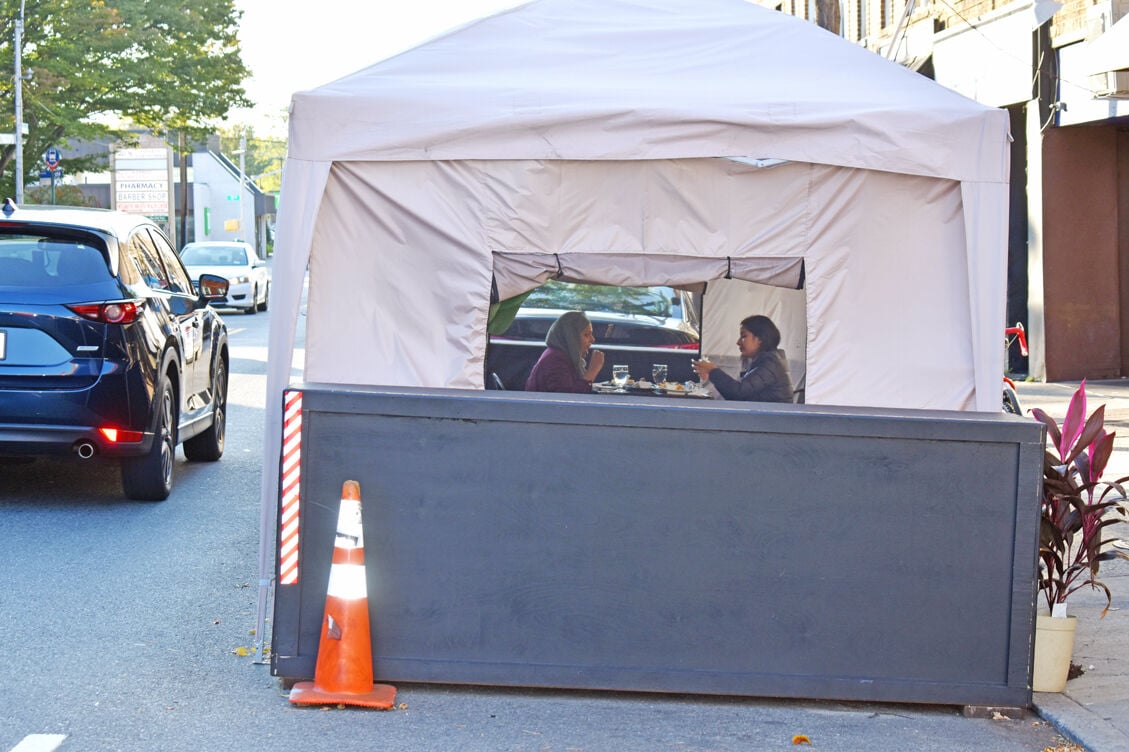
{"x": 240, "y": 280}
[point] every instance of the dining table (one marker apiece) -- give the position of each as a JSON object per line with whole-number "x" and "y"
{"x": 686, "y": 390}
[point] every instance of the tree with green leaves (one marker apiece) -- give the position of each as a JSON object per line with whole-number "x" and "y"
{"x": 64, "y": 195}
{"x": 264, "y": 158}
{"x": 96, "y": 67}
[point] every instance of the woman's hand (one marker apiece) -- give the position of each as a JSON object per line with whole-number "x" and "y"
{"x": 595, "y": 363}
{"x": 702, "y": 368}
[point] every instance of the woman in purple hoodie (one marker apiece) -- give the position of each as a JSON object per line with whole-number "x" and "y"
{"x": 565, "y": 366}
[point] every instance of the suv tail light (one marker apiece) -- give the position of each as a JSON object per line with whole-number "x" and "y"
{"x": 120, "y": 435}
{"x": 110, "y": 312}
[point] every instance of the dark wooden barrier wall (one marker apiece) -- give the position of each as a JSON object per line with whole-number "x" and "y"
{"x": 676, "y": 546}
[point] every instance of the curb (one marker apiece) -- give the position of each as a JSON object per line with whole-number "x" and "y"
{"x": 1078, "y": 723}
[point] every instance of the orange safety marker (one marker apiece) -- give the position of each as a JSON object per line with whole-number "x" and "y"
{"x": 343, "y": 674}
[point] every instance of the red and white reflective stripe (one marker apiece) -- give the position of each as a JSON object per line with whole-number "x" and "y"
{"x": 290, "y": 486}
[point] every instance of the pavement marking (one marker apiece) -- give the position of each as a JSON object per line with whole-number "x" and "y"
{"x": 39, "y": 743}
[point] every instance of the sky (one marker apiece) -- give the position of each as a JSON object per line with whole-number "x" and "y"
{"x": 288, "y": 47}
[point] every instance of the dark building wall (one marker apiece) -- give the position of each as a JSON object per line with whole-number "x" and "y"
{"x": 1081, "y": 254}
{"x": 1123, "y": 240}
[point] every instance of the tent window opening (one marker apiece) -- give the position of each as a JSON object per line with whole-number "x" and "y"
{"x": 643, "y": 326}
{"x": 693, "y": 308}
{"x": 633, "y": 326}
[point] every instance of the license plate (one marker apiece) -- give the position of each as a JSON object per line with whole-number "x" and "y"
{"x": 3, "y": 344}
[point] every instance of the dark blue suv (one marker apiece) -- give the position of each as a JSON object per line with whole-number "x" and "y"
{"x": 106, "y": 350}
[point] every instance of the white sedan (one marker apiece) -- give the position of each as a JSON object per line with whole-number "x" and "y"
{"x": 247, "y": 274}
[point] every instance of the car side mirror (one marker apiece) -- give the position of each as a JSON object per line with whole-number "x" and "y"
{"x": 213, "y": 288}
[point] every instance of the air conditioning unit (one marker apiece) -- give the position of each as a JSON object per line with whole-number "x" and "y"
{"x": 1110, "y": 85}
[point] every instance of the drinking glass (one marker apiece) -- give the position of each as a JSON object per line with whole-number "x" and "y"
{"x": 658, "y": 374}
{"x": 619, "y": 376}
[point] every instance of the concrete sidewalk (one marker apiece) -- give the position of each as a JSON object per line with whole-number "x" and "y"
{"x": 1094, "y": 708}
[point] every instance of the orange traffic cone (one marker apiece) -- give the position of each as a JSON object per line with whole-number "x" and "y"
{"x": 343, "y": 674}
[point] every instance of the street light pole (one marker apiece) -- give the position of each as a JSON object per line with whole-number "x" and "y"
{"x": 19, "y": 108}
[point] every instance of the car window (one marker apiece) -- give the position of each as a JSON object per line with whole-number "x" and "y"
{"x": 143, "y": 254}
{"x": 645, "y": 336}
{"x": 623, "y": 333}
{"x": 40, "y": 261}
{"x": 194, "y": 255}
{"x": 178, "y": 278}
{"x": 17, "y": 265}
{"x": 528, "y": 328}
{"x": 213, "y": 255}
{"x": 637, "y": 334}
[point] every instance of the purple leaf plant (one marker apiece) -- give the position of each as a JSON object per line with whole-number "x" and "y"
{"x": 1078, "y": 506}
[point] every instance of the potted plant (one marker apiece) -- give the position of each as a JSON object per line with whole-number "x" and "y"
{"x": 1078, "y": 507}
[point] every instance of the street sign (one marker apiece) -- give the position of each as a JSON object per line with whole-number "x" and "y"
{"x": 56, "y": 173}
{"x": 141, "y": 183}
{"x": 52, "y": 158}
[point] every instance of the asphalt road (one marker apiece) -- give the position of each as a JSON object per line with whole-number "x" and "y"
{"x": 122, "y": 624}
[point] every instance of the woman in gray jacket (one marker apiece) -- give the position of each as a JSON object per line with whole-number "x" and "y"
{"x": 764, "y": 369}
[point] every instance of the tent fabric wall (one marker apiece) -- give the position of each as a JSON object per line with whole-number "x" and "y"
{"x": 410, "y": 248}
{"x": 984, "y": 211}
{"x": 614, "y": 127}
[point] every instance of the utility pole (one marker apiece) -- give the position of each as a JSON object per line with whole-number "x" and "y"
{"x": 182, "y": 149}
{"x": 243, "y": 191}
{"x": 19, "y": 108}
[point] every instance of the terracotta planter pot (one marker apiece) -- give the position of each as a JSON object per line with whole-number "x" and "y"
{"x": 1054, "y": 646}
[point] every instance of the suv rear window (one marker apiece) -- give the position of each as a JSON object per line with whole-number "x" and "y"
{"x": 39, "y": 261}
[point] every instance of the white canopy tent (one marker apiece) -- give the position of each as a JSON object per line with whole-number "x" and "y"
{"x": 625, "y": 138}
